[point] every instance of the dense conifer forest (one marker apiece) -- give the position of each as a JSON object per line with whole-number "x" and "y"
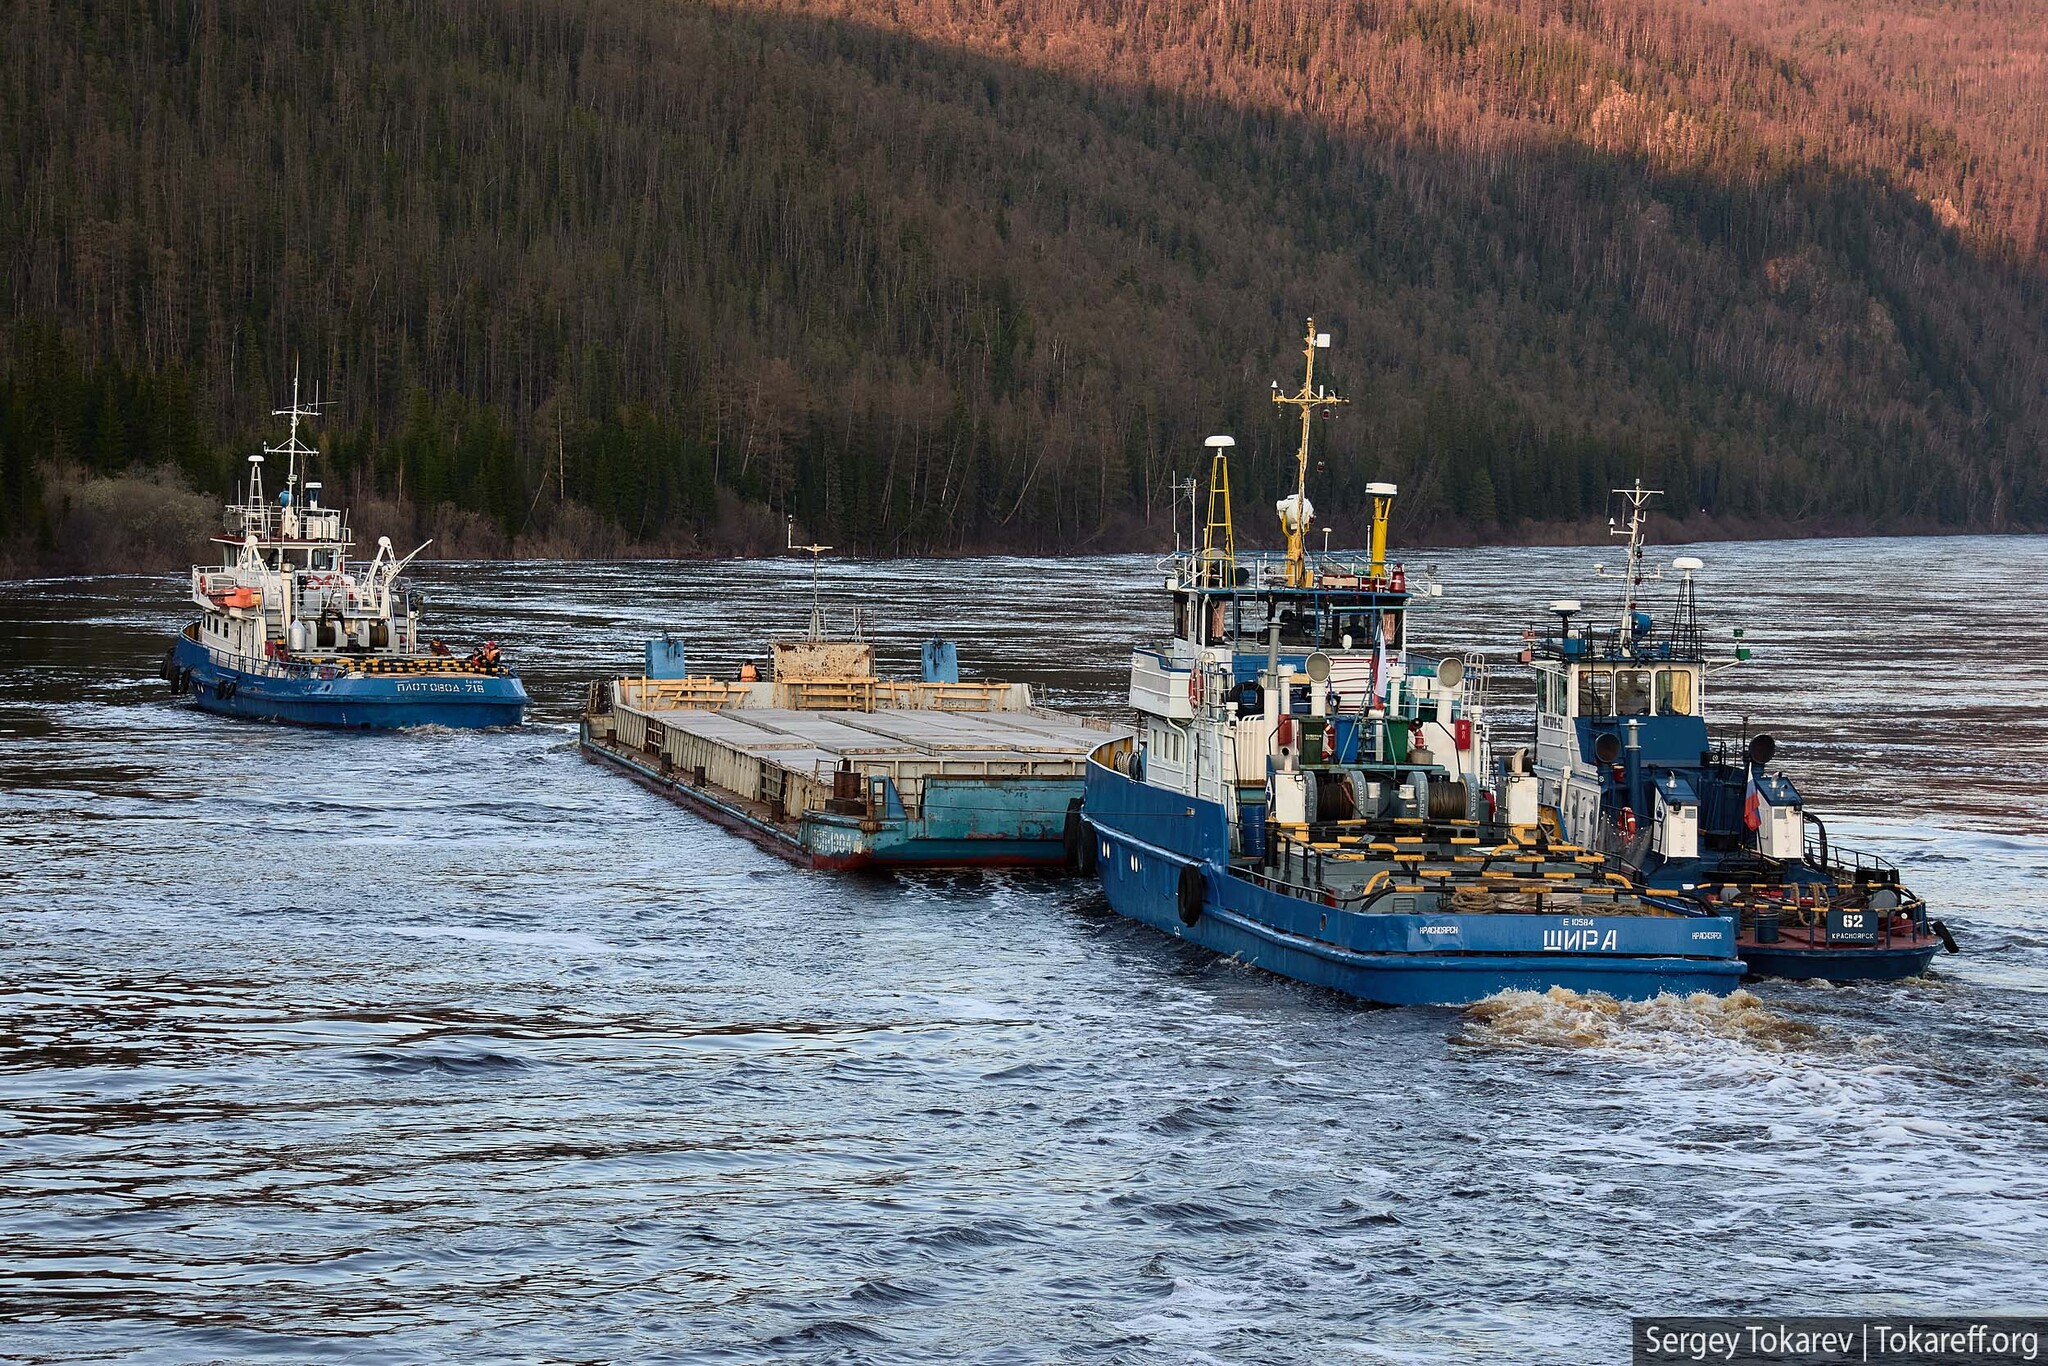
{"x": 605, "y": 276}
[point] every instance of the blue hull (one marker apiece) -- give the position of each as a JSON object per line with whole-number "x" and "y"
{"x": 457, "y": 701}
{"x": 1838, "y": 965}
{"x": 1431, "y": 958}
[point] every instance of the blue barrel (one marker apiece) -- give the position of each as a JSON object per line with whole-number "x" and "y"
{"x": 1251, "y": 829}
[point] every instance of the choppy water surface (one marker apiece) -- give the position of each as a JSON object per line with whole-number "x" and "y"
{"x": 439, "y": 1046}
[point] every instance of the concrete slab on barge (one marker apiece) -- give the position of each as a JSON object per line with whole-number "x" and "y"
{"x": 897, "y": 786}
{"x": 800, "y": 740}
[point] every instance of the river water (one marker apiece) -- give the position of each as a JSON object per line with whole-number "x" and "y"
{"x": 438, "y": 1046}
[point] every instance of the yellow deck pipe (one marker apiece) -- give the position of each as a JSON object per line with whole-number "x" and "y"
{"x": 1382, "y": 508}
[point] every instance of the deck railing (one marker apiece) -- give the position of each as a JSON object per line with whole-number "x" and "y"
{"x": 1860, "y": 865}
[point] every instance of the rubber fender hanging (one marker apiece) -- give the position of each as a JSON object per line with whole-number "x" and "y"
{"x": 1193, "y": 888}
{"x": 1078, "y": 843}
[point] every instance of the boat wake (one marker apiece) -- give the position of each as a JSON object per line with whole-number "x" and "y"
{"x": 1561, "y": 1018}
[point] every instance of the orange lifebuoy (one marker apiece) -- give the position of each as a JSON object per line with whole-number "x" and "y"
{"x": 1195, "y": 688}
{"x": 1626, "y": 822}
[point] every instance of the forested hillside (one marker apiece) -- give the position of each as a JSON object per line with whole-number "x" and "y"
{"x": 935, "y": 275}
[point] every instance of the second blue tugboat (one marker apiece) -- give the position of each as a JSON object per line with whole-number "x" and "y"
{"x": 1305, "y": 797}
{"x": 1623, "y": 763}
{"x": 289, "y": 630}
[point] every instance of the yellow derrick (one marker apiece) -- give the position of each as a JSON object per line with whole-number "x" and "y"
{"x": 1218, "y": 567}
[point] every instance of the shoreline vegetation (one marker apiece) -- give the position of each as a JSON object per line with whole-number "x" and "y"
{"x": 602, "y": 278}
{"x": 151, "y": 521}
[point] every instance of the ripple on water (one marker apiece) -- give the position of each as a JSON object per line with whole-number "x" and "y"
{"x": 439, "y": 1046}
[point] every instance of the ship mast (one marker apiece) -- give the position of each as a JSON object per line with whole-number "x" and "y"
{"x": 816, "y": 552}
{"x": 1638, "y": 500}
{"x": 1308, "y": 400}
{"x": 293, "y": 448}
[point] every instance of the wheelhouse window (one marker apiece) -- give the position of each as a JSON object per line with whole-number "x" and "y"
{"x": 1596, "y": 693}
{"x": 1674, "y": 692}
{"x": 1352, "y": 631}
{"x": 1298, "y": 625}
{"x": 1632, "y": 692}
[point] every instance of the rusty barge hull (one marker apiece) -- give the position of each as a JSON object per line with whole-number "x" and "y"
{"x": 952, "y": 780}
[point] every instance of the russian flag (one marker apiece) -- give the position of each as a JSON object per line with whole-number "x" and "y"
{"x": 1753, "y": 804}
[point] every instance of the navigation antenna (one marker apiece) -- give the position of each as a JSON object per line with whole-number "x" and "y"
{"x": 816, "y": 553}
{"x": 293, "y": 448}
{"x": 1638, "y": 500}
{"x": 1308, "y": 400}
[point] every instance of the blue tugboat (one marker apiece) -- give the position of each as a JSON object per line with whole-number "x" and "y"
{"x": 1307, "y": 798}
{"x": 290, "y": 631}
{"x": 1623, "y": 763}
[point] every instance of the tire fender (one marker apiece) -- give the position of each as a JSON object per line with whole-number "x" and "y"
{"x": 1194, "y": 889}
{"x": 1078, "y": 841}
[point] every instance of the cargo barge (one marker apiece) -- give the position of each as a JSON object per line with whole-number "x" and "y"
{"x": 833, "y": 767}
